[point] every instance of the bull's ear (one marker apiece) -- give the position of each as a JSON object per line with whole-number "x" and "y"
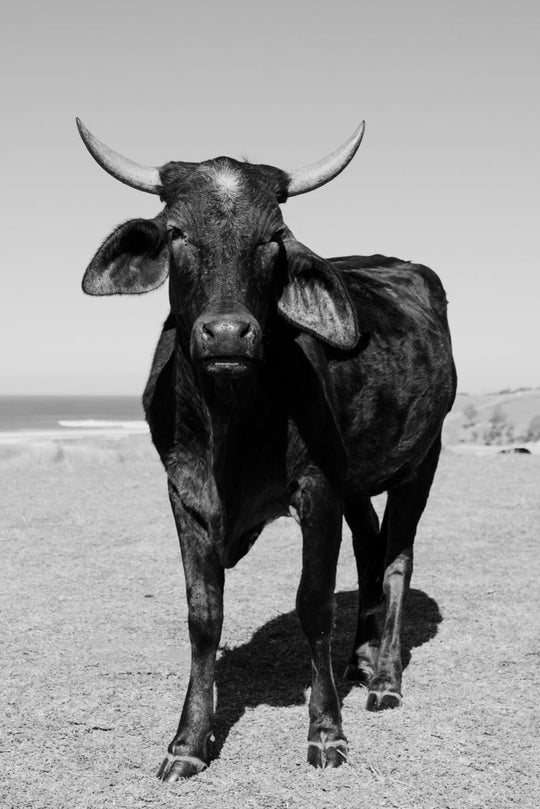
{"x": 315, "y": 298}
{"x": 132, "y": 260}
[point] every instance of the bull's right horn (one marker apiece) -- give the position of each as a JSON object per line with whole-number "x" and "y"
{"x": 144, "y": 178}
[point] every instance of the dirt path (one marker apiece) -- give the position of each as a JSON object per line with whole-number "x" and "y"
{"x": 95, "y": 650}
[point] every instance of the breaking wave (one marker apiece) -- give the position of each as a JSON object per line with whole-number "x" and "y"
{"x": 93, "y": 424}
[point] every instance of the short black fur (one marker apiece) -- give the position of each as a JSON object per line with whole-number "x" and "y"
{"x": 281, "y": 381}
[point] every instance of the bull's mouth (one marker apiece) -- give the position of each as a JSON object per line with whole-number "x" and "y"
{"x": 231, "y": 367}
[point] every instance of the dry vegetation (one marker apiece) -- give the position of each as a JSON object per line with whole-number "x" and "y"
{"x": 95, "y": 649}
{"x": 504, "y": 418}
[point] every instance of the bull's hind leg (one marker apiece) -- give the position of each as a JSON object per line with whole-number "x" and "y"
{"x": 369, "y": 549}
{"x": 403, "y": 511}
{"x": 320, "y": 516}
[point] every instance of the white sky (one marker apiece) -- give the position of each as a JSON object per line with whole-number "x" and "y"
{"x": 448, "y": 172}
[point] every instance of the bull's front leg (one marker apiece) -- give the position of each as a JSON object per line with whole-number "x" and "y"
{"x": 190, "y": 751}
{"x": 320, "y": 516}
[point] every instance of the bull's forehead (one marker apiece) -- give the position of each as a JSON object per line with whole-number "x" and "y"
{"x": 225, "y": 179}
{"x": 224, "y": 194}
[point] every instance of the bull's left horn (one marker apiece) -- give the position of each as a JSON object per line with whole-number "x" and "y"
{"x": 316, "y": 174}
{"x": 144, "y": 178}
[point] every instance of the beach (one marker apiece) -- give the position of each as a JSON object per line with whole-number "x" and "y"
{"x": 45, "y": 429}
{"x": 37, "y": 419}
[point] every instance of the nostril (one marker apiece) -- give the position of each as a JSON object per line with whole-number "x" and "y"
{"x": 207, "y": 331}
{"x": 245, "y": 329}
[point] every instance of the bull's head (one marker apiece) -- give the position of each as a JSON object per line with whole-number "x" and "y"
{"x": 231, "y": 261}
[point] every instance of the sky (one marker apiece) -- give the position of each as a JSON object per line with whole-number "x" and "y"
{"x": 448, "y": 173}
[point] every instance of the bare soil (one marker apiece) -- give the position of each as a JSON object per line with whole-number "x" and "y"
{"x": 95, "y": 652}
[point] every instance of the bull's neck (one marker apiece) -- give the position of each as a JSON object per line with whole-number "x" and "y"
{"x": 211, "y": 409}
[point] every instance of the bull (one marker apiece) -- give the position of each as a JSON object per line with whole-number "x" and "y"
{"x": 282, "y": 382}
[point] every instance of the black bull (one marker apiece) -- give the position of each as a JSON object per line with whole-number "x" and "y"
{"x": 283, "y": 382}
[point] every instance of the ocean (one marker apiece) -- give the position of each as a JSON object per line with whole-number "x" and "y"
{"x": 26, "y": 418}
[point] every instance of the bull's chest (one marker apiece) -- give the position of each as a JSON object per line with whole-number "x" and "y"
{"x": 251, "y": 484}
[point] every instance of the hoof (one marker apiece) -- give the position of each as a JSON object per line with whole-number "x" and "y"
{"x": 173, "y": 768}
{"x": 326, "y": 752}
{"x": 383, "y": 700}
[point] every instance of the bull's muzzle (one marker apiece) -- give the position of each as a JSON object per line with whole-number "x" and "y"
{"x": 226, "y": 344}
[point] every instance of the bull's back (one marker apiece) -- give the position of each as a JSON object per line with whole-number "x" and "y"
{"x": 393, "y": 394}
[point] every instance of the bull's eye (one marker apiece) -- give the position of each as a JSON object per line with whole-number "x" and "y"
{"x": 175, "y": 234}
{"x": 275, "y": 237}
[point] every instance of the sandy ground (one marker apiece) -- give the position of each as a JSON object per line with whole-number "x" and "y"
{"x": 95, "y": 652}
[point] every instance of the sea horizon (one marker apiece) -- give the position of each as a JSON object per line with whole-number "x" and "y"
{"x": 33, "y": 417}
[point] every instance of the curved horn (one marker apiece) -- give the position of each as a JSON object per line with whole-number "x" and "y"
{"x": 316, "y": 174}
{"x": 145, "y": 178}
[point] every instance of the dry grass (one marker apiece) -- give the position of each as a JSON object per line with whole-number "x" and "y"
{"x": 77, "y": 452}
{"x": 96, "y": 656}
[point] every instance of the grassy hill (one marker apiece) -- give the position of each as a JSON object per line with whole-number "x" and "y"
{"x": 502, "y": 418}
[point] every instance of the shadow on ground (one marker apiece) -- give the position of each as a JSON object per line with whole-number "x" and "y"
{"x": 274, "y": 667}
